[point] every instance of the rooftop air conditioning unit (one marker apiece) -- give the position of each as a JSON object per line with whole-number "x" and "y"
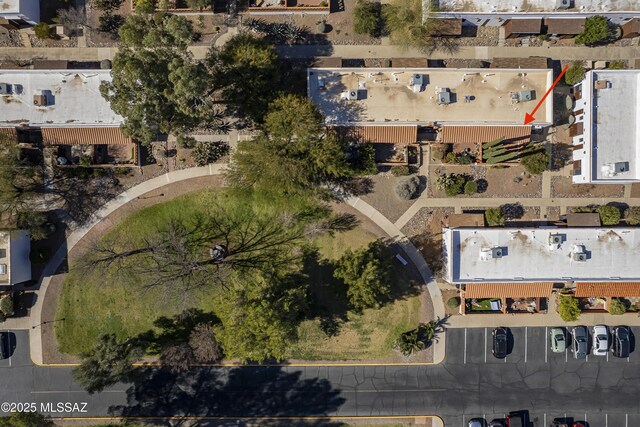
{"x": 612, "y": 169}
{"x": 525, "y": 95}
{"x": 353, "y": 95}
{"x": 563, "y": 4}
{"x": 39, "y": 100}
{"x": 444, "y": 96}
{"x": 417, "y": 82}
{"x": 487, "y": 254}
{"x": 579, "y": 253}
{"x": 555, "y": 240}
{"x": 6, "y": 88}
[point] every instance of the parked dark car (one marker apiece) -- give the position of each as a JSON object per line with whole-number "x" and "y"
{"x": 4, "y": 350}
{"x": 621, "y": 341}
{"x": 500, "y": 341}
{"x": 580, "y": 342}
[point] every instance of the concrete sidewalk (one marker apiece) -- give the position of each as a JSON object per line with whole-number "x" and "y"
{"x": 353, "y": 51}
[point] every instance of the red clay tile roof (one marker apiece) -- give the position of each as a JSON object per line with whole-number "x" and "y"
{"x": 512, "y": 134}
{"x": 607, "y": 289}
{"x": 401, "y": 134}
{"x": 84, "y": 136}
{"x": 10, "y": 132}
{"x": 564, "y": 26}
{"x": 523, "y": 26}
{"x": 508, "y": 290}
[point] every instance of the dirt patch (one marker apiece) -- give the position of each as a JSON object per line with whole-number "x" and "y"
{"x": 447, "y": 294}
{"x": 553, "y": 213}
{"x": 384, "y": 198}
{"x": 427, "y": 220}
{"x": 564, "y": 187}
{"x": 635, "y": 190}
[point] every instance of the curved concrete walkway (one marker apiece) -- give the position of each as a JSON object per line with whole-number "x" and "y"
{"x": 35, "y": 335}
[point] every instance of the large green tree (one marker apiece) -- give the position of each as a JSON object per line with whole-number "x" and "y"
{"x": 259, "y": 316}
{"x": 157, "y": 85}
{"x": 245, "y": 71}
{"x": 108, "y": 363}
{"x": 26, "y": 419}
{"x": 295, "y": 153}
{"x": 367, "y": 275}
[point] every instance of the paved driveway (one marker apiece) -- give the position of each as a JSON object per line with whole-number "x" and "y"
{"x": 604, "y": 392}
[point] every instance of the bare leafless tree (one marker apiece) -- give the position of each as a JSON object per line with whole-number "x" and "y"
{"x": 73, "y": 18}
{"x": 177, "y": 358}
{"x": 186, "y": 255}
{"x": 204, "y": 344}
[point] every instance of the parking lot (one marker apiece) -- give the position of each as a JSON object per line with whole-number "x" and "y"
{"x": 530, "y": 351}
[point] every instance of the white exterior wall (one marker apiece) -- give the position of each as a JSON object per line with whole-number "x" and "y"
{"x": 499, "y": 18}
{"x": 27, "y": 11}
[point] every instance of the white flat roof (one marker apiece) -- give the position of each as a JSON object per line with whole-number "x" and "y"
{"x": 9, "y": 6}
{"x": 386, "y": 96}
{"x": 537, "y": 5}
{"x": 612, "y": 254}
{"x": 611, "y": 124}
{"x": 73, "y": 95}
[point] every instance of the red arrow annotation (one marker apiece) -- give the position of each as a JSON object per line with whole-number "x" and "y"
{"x": 528, "y": 118}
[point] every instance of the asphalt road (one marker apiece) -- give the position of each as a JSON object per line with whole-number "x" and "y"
{"x": 470, "y": 383}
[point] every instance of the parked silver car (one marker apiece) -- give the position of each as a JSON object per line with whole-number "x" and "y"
{"x": 600, "y": 340}
{"x": 558, "y": 342}
{"x": 580, "y": 342}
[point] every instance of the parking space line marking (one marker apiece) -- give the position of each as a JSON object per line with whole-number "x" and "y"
{"x": 626, "y": 420}
{"x": 607, "y": 356}
{"x": 9, "y": 343}
{"x": 606, "y": 420}
{"x": 546, "y": 345}
{"x": 585, "y": 417}
{"x": 545, "y": 420}
{"x": 462, "y": 420}
{"x": 525, "y": 343}
{"x": 465, "y": 346}
{"x": 485, "y": 345}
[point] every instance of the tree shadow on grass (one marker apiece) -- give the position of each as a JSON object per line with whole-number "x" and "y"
{"x": 230, "y": 392}
{"x": 328, "y": 295}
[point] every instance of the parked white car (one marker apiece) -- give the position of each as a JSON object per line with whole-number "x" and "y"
{"x": 600, "y": 340}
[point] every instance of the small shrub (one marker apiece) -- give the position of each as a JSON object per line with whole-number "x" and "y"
{"x": 6, "y": 305}
{"x": 408, "y": 189}
{"x": 121, "y": 170}
{"x": 400, "y": 170}
{"x": 575, "y": 73}
{"x": 105, "y": 64}
{"x": 609, "y": 215}
{"x": 616, "y": 65}
{"x": 632, "y": 215}
{"x": 536, "y": 163}
{"x": 85, "y": 160}
{"x": 470, "y": 188}
{"x": 451, "y": 158}
{"x": 184, "y": 141}
{"x": 367, "y": 18}
{"x": 43, "y": 31}
{"x": 597, "y": 29}
{"x": 453, "y": 302}
{"x": 512, "y": 211}
{"x": 493, "y": 217}
{"x": 106, "y": 5}
{"x": 206, "y": 152}
{"x": 568, "y": 308}
{"x": 617, "y": 306}
{"x": 452, "y": 184}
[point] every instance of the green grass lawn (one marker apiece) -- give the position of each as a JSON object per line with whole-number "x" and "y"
{"x": 94, "y": 303}
{"x": 483, "y": 305}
